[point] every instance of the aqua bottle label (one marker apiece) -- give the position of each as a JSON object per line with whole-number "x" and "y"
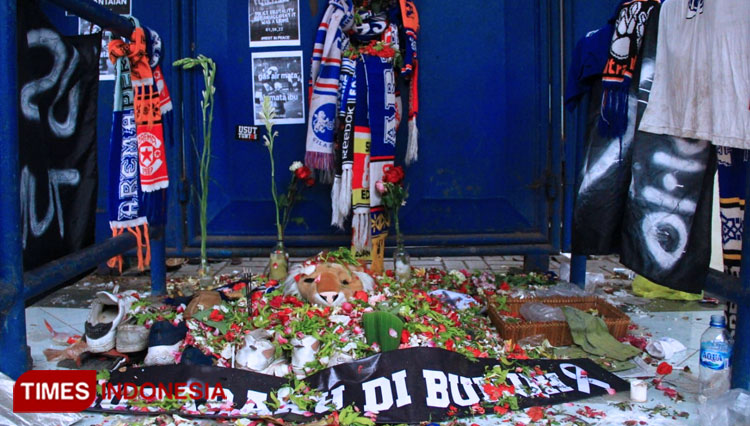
{"x": 715, "y": 355}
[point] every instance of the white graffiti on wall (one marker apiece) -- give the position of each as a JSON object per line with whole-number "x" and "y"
{"x": 49, "y": 40}
{"x": 30, "y": 220}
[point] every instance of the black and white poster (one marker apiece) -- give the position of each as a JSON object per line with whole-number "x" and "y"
{"x": 278, "y": 76}
{"x": 403, "y": 386}
{"x": 273, "y": 22}
{"x": 57, "y": 99}
{"x": 121, "y": 7}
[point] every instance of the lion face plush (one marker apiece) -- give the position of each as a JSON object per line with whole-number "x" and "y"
{"x": 327, "y": 283}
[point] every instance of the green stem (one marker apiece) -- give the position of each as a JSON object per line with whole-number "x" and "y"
{"x": 291, "y": 199}
{"x": 399, "y": 237}
{"x": 279, "y": 230}
{"x": 209, "y": 73}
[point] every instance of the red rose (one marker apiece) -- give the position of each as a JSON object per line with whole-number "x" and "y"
{"x": 216, "y": 315}
{"x": 393, "y": 174}
{"x": 663, "y": 369}
{"x": 239, "y": 286}
{"x": 276, "y": 301}
{"x": 504, "y": 286}
{"x": 361, "y": 295}
{"x": 500, "y": 410}
{"x": 405, "y": 336}
{"x": 302, "y": 173}
{"x": 535, "y": 413}
{"x": 310, "y": 181}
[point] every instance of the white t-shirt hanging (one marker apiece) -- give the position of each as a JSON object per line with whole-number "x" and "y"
{"x": 701, "y": 87}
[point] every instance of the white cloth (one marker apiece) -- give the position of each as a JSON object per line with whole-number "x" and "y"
{"x": 664, "y": 348}
{"x": 701, "y": 86}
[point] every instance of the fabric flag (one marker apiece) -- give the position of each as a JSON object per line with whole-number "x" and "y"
{"x": 58, "y": 80}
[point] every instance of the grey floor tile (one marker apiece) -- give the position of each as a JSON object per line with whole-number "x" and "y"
{"x": 454, "y": 264}
{"x": 476, "y": 264}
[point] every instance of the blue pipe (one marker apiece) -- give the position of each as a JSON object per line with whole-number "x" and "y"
{"x": 12, "y": 313}
{"x": 578, "y": 270}
{"x": 52, "y": 274}
{"x": 99, "y": 15}
{"x": 727, "y": 287}
{"x": 741, "y": 355}
{"x": 158, "y": 265}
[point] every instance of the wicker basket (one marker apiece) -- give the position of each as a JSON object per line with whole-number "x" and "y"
{"x": 557, "y": 332}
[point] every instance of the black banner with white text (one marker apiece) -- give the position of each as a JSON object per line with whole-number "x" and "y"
{"x": 402, "y": 386}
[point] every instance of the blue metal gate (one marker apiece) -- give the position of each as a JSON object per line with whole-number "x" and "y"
{"x": 489, "y": 162}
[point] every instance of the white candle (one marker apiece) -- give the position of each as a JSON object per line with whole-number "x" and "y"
{"x": 638, "y": 391}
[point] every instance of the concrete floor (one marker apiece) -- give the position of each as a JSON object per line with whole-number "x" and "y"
{"x": 67, "y": 308}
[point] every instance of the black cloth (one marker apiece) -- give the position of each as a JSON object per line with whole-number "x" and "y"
{"x": 646, "y": 196}
{"x": 58, "y": 79}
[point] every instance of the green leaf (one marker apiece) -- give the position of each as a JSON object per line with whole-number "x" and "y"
{"x": 378, "y": 328}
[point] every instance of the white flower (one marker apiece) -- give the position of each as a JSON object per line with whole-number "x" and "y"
{"x": 403, "y": 203}
{"x": 296, "y": 165}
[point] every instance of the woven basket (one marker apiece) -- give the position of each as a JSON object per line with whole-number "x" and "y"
{"x": 557, "y": 332}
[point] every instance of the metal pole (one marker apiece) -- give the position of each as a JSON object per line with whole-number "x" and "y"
{"x": 52, "y": 274}
{"x": 578, "y": 270}
{"x": 12, "y": 313}
{"x": 741, "y": 355}
{"x": 99, "y": 15}
{"x": 158, "y": 264}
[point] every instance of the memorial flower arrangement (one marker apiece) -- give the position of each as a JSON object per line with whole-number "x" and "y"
{"x": 393, "y": 195}
{"x": 283, "y": 203}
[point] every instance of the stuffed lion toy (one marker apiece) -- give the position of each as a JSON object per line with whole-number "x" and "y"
{"x": 327, "y": 282}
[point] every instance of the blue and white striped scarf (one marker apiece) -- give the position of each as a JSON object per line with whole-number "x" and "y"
{"x": 324, "y": 86}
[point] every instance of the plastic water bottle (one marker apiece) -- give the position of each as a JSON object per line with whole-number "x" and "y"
{"x": 716, "y": 352}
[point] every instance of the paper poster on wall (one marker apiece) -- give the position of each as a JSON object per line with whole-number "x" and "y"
{"x": 273, "y": 22}
{"x": 121, "y": 7}
{"x": 278, "y": 75}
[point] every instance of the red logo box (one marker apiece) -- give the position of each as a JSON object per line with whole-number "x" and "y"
{"x": 54, "y": 391}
